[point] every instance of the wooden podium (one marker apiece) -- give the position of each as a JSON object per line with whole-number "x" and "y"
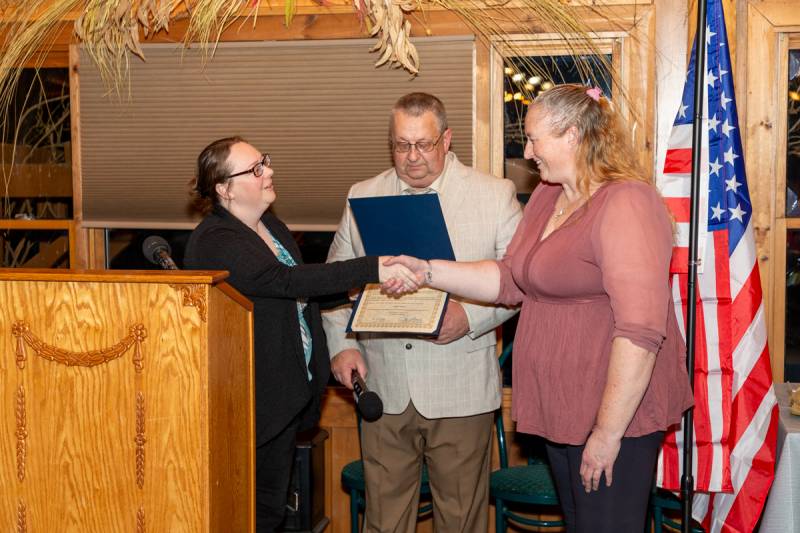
{"x": 126, "y": 402}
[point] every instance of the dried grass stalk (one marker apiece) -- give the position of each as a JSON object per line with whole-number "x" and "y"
{"x": 388, "y": 22}
{"x": 209, "y": 18}
{"x": 109, "y": 30}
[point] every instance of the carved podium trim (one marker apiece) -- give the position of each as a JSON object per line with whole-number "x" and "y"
{"x": 22, "y": 331}
{"x": 22, "y": 519}
{"x": 140, "y": 523}
{"x": 21, "y": 433}
{"x": 194, "y": 295}
{"x": 140, "y": 440}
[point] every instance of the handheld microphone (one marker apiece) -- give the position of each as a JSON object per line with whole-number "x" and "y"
{"x": 157, "y": 251}
{"x": 369, "y": 404}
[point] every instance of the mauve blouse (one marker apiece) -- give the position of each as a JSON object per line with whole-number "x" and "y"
{"x": 603, "y": 274}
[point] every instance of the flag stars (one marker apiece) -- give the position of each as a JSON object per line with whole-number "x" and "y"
{"x": 709, "y": 34}
{"x": 737, "y": 213}
{"x": 682, "y": 110}
{"x": 730, "y": 156}
{"x": 722, "y": 73}
{"x": 711, "y": 79}
{"x": 726, "y": 128}
{"x": 713, "y": 123}
{"x": 724, "y": 100}
{"x": 718, "y": 212}
{"x": 715, "y": 166}
{"x": 732, "y": 185}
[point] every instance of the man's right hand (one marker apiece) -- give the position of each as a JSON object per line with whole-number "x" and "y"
{"x": 343, "y": 364}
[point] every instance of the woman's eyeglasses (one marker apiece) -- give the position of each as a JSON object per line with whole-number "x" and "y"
{"x": 257, "y": 170}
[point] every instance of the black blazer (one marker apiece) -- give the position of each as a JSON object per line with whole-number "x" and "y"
{"x": 223, "y": 242}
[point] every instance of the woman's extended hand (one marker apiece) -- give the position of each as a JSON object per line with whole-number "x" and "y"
{"x": 599, "y": 456}
{"x": 416, "y": 268}
{"x": 395, "y": 277}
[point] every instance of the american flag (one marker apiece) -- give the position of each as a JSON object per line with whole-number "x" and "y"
{"x": 736, "y": 415}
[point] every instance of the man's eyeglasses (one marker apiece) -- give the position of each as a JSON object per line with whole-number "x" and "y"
{"x": 257, "y": 170}
{"x": 421, "y": 146}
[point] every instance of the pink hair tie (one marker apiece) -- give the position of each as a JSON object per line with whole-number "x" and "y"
{"x": 594, "y": 93}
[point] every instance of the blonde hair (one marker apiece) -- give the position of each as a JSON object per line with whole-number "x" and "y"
{"x": 605, "y": 152}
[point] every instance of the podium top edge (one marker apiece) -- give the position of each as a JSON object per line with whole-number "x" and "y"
{"x": 201, "y": 277}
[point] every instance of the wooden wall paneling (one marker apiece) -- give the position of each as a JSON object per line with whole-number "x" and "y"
{"x": 496, "y": 112}
{"x": 95, "y": 246}
{"x": 482, "y": 110}
{"x": 82, "y": 249}
{"x": 740, "y": 63}
{"x": 638, "y": 75}
{"x": 761, "y": 160}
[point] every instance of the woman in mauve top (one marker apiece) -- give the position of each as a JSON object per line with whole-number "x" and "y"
{"x": 599, "y": 361}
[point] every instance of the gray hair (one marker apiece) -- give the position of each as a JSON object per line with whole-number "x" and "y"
{"x": 417, "y": 104}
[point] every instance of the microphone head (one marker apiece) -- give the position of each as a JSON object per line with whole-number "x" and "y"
{"x": 153, "y": 246}
{"x": 370, "y": 406}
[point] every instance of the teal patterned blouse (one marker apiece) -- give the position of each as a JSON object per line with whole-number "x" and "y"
{"x": 305, "y": 332}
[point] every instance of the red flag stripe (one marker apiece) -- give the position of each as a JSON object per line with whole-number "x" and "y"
{"x": 725, "y": 348}
{"x": 757, "y": 384}
{"x": 680, "y": 260}
{"x": 702, "y": 415}
{"x": 745, "y": 510}
{"x": 746, "y": 305}
{"x": 678, "y": 161}
{"x": 679, "y": 207}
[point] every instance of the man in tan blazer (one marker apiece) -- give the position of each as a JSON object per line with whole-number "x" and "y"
{"x": 438, "y": 394}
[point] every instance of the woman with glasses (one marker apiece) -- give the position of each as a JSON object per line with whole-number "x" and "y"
{"x": 234, "y": 181}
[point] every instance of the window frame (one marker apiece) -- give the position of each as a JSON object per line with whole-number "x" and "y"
{"x": 781, "y": 223}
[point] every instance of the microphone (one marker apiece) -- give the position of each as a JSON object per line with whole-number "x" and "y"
{"x": 369, "y": 404}
{"x": 157, "y": 251}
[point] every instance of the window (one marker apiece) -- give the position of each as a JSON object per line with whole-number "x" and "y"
{"x": 35, "y": 221}
{"x": 525, "y": 77}
{"x": 791, "y": 222}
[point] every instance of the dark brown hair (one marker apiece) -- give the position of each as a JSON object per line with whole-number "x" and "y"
{"x": 212, "y": 169}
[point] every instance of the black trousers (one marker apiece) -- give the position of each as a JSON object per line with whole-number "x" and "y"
{"x": 620, "y": 508}
{"x": 274, "y": 461}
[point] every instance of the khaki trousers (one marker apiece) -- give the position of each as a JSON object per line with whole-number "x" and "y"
{"x": 457, "y": 451}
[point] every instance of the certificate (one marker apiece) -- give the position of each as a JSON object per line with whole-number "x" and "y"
{"x": 394, "y": 225}
{"x": 418, "y": 313}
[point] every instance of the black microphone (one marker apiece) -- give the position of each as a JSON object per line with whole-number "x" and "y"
{"x": 369, "y": 404}
{"x": 157, "y": 251}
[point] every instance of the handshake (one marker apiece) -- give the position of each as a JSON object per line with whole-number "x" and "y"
{"x": 402, "y": 274}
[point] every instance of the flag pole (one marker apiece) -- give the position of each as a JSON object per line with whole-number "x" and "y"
{"x": 687, "y": 479}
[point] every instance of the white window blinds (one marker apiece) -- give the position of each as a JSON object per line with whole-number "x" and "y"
{"x": 319, "y": 108}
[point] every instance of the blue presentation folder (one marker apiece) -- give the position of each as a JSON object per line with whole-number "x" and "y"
{"x": 403, "y": 225}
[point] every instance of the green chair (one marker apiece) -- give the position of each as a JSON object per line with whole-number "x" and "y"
{"x": 530, "y": 484}
{"x": 660, "y": 501}
{"x": 353, "y": 481}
